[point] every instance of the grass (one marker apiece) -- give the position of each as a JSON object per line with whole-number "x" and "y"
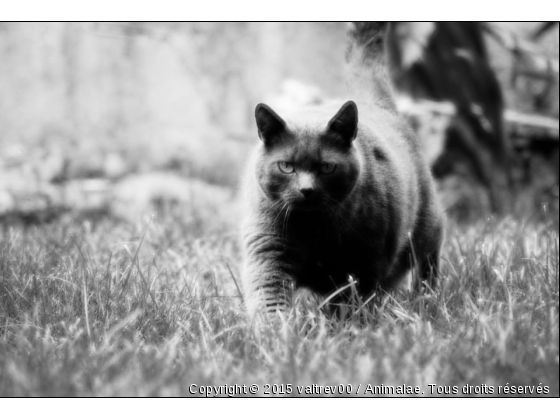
{"x": 106, "y": 308}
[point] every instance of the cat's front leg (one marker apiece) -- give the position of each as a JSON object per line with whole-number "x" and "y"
{"x": 268, "y": 275}
{"x": 370, "y": 274}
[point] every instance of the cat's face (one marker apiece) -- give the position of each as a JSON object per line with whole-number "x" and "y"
{"x": 308, "y": 169}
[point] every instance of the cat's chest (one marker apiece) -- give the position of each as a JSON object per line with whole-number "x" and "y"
{"x": 319, "y": 234}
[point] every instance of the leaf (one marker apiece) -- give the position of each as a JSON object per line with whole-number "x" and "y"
{"x": 543, "y": 30}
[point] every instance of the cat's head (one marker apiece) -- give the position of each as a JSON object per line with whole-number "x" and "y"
{"x": 308, "y": 167}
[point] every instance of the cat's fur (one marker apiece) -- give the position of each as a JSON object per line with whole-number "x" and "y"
{"x": 332, "y": 192}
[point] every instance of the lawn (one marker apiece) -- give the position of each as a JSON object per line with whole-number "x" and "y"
{"x": 100, "y": 306}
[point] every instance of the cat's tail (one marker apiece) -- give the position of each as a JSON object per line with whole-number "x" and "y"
{"x": 368, "y": 74}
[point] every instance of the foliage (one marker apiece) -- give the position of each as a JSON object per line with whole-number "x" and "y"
{"x": 448, "y": 61}
{"x": 544, "y": 28}
{"x": 105, "y": 308}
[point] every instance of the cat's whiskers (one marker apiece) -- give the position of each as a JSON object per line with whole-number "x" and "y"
{"x": 277, "y": 211}
{"x": 281, "y": 217}
{"x": 285, "y": 221}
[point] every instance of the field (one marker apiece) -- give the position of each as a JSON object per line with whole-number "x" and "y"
{"x": 100, "y": 306}
{"x": 121, "y": 149}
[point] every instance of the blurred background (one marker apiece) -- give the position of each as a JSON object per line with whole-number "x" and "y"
{"x": 126, "y": 119}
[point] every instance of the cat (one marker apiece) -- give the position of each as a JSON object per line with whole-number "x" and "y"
{"x": 338, "y": 191}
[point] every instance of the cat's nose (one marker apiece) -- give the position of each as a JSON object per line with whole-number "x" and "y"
{"x": 306, "y": 184}
{"x": 306, "y": 191}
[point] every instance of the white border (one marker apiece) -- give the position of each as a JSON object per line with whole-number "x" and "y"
{"x": 272, "y": 409}
{"x": 299, "y": 10}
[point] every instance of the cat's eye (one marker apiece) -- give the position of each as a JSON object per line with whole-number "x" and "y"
{"x": 327, "y": 167}
{"x": 286, "y": 167}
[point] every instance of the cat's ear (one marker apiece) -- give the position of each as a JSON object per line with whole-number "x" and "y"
{"x": 345, "y": 123}
{"x": 269, "y": 123}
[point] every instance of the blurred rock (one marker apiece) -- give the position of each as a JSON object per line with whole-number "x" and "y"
{"x": 142, "y": 194}
{"x": 87, "y": 194}
{"x": 295, "y": 94}
{"x": 26, "y": 195}
{"x": 114, "y": 166}
{"x": 7, "y": 202}
{"x": 85, "y": 162}
{"x": 50, "y": 164}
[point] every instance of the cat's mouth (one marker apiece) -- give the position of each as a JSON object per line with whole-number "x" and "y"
{"x": 307, "y": 205}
